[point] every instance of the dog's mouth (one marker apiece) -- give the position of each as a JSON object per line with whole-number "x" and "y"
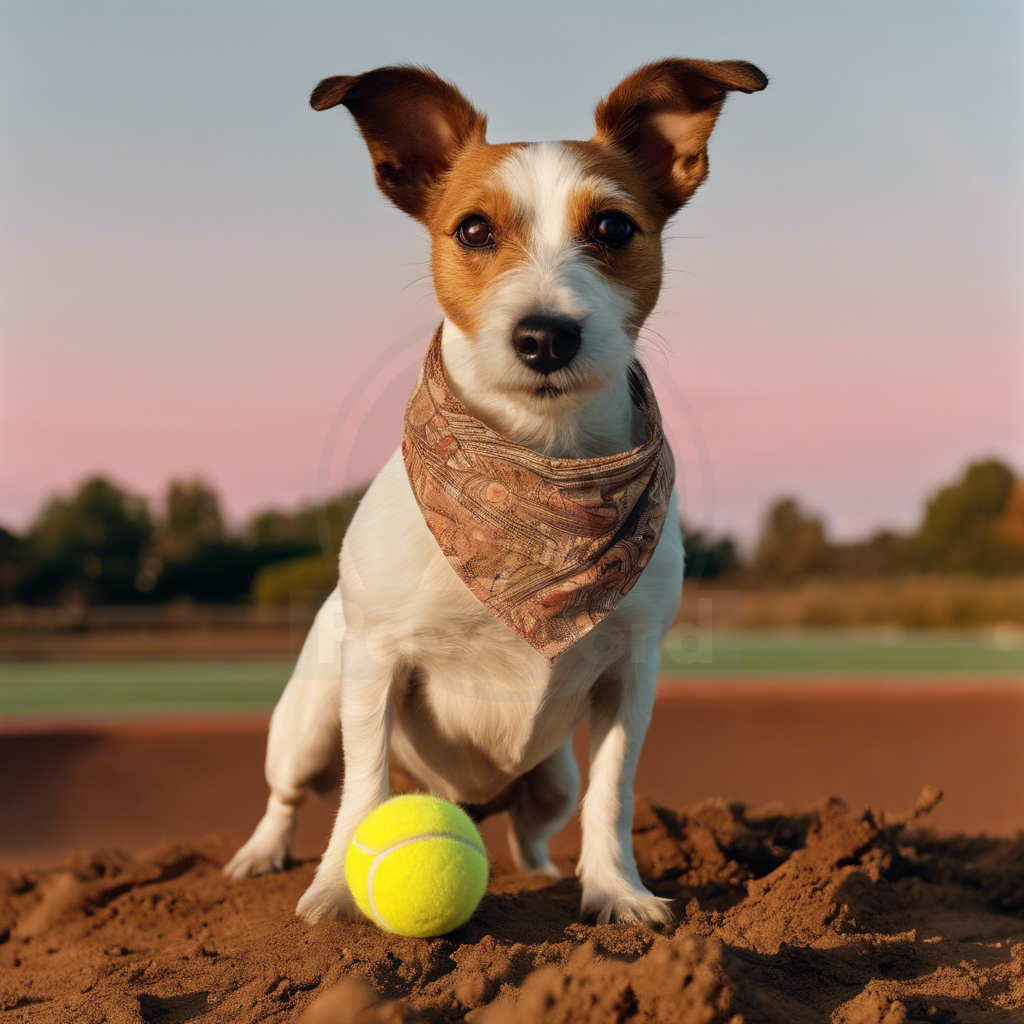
{"x": 549, "y": 391}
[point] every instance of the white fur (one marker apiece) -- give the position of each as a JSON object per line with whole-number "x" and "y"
{"x": 423, "y": 673}
{"x": 555, "y": 278}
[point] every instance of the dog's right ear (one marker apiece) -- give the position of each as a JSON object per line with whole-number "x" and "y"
{"x": 414, "y": 124}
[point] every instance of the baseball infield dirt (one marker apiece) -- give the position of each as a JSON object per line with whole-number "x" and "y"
{"x": 823, "y": 913}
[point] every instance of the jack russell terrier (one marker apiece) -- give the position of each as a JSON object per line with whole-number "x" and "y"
{"x": 516, "y": 563}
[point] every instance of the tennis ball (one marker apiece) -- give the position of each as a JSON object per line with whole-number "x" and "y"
{"x": 416, "y": 866}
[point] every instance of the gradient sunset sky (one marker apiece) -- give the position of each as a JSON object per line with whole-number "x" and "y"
{"x": 200, "y": 277}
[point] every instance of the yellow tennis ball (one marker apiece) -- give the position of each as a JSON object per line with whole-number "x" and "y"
{"x": 416, "y": 866}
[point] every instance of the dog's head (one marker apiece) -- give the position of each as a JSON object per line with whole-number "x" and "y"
{"x": 546, "y": 257}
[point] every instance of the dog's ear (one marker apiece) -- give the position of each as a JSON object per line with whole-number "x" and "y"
{"x": 663, "y": 115}
{"x": 414, "y": 124}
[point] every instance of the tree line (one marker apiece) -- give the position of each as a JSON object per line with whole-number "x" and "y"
{"x": 102, "y": 544}
{"x": 105, "y": 545}
{"x": 972, "y": 526}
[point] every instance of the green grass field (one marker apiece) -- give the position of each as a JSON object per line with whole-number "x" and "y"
{"x": 61, "y": 688}
{"x": 818, "y": 653}
{"x": 804, "y": 659}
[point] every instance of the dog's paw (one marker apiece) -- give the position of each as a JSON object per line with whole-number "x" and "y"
{"x": 632, "y": 906}
{"x": 540, "y": 867}
{"x": 249, "y": 863}
{"x": 532, "y": 858}
{"x": 265, "y": 852}
{"x": 548, "y": 868}
{"x": 327, "y": 898}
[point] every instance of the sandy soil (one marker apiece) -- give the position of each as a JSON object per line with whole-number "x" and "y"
{"x": 784, "y": 916}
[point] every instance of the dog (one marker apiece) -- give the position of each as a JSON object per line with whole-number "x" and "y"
{"x": 546, "y": 261}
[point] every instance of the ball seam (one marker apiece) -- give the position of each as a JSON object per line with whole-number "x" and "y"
{"x": 378, "y": 859}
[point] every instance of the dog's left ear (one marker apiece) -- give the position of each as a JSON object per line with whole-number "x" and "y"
{"x": 414, "y": 124}
{"x": 663, "y": 115}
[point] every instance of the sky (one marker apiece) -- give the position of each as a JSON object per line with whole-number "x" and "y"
{"x": 199, "y": 277}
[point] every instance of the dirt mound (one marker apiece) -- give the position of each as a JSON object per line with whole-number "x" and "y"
{"x": 783, "y": 918}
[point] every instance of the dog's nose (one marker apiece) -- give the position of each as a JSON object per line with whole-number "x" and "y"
{"x": 546, "y": 343}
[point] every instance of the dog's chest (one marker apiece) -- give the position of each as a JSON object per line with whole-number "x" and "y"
{"x": 479, "y": 704}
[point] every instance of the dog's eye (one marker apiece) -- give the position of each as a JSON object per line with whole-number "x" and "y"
{"x": 475, "y": 233}
{"x": 612, "y": 229}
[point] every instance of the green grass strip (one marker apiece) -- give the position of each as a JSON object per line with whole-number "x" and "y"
{"x": 58, "y": 688}
{"x": 797, "y": 653}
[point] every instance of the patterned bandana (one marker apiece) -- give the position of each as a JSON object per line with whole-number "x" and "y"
{"x": 549, "y": 546}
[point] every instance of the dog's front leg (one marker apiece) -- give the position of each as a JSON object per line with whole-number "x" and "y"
{"x": 620, "y": 712}
{"x": 366, "y": 710}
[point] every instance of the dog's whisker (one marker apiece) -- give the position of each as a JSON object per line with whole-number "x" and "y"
{"x": 416, "y": 282}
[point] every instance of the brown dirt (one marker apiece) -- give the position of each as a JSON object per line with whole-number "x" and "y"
{"x": 784, "y": 917}
{"x": 826, "y": 915}
{"x": 129, "y": 783}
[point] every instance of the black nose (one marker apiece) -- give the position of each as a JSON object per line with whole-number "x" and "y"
{"x": 546, "y": 343}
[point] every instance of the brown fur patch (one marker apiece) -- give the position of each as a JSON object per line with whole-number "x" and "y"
{"x": 636, "y": 266}
{"x": 663, "y": 115}
{"x": 431, "y": 159}
{"x": 462, "y": 276}
{"x": 414, "y": 124}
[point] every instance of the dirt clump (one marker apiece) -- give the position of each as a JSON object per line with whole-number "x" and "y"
{"x": 784, "y": 917}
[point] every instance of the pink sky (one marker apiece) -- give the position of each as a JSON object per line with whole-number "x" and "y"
{"x": 193, "y": 284}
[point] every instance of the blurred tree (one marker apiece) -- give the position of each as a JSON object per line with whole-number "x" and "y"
{"x": 221, "y": 572}
{"x": 321, "y": 526}
{"x": 192, "y": 555}
{"x": 1010, "y": 525}
{"x": 87, "y": 547}
{"x": 965, "y": 525}
{"x": 882, "y": 554}
{"x": 190, "y": 521}
{"x": 792, "y": 544}
{"x": 706, "y": 557}
{"x": 14, "y": 560}
{"x": 305, "y": 581}
{"x": 191, "y": 518}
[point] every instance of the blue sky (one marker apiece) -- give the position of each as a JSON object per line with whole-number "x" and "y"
{"x": 197, "y": 267}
